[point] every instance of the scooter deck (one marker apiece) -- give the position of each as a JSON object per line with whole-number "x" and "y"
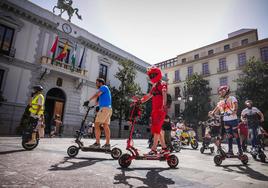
{"x": 96, "y": 150}
{"x": 150, "y": 157}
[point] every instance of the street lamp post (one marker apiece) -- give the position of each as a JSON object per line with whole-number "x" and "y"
{"x": 185, "y": 99}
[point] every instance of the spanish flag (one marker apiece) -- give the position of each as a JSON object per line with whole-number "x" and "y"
{"x": 63, "y": 52}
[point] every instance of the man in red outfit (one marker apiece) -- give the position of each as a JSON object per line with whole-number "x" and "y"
{"x": 158, "y": 94}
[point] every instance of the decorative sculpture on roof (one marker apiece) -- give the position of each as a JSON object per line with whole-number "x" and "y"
{"x": 66, "y": 5}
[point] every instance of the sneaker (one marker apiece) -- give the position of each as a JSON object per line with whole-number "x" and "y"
{"x": 164, "y": 151}
{"x": 106, "y": 147}
{"x": 95, "y": 146}
{"x": 31, "y": 142}
{"x": 152, "y": 152}
{"x": 230, "y": 153}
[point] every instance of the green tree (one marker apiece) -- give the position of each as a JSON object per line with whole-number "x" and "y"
{"x": 199, "y": 90}
{"x": 253, "y": 85}
{"x": 127, "y": 89}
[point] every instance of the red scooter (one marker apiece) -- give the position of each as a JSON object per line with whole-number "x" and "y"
{"x": 126, "y": 159}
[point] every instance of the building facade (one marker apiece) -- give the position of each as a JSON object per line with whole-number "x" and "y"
{"x": 27, "y": 34}
{"x": 220, "y": 63}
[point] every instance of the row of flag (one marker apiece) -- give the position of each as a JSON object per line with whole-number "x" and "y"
{"x": 64, "y": 52}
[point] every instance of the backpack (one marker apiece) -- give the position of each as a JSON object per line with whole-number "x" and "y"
{"x": 169, "y": 98}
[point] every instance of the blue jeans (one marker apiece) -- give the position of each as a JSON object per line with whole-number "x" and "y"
{"x": 253, "y": 131}
{"x": 232, "y": 131}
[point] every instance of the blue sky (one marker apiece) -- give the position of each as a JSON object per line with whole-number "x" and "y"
{"x": 157, "y": 30}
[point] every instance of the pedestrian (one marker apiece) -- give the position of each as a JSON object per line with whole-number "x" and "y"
{"x": 227, "y": 107}
{"x": 41, "y": 127}
{"x": 166, "y": 128}
{"x": 253, "y": 117}
{"x": 104, "y": 114}
{"x": 56, "y": 126}
{"x": 36, "y": 110}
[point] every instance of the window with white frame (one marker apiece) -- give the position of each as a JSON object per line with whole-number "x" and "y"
{"x": 223, "y": 81}
{"x": 242, "y": 59}
{"x": 177, "y": 75}
{"x": 205, "y": 69}
{"x": 103, "y": 71}
{"x": 6, "y": 38}
{"x": 264, "y": 54}
{"x": 222, "y": 64}
{"x": 190, "y": 71}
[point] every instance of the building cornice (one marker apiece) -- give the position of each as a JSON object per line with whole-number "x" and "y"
{"x": 23, "y": 13}
{"x": 230, "y": 51}
{"x": 106, "y": 52}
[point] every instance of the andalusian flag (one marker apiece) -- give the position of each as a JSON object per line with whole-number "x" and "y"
{"x": 74, "y": 56}
{"x": 63, "y": 52}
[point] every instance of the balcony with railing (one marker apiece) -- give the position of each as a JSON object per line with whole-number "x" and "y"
{"x": 205, "y": 73}
{"x": 176, "y": 81}
{"x": 60, "y": 66}
{"x": 222, "y": 70}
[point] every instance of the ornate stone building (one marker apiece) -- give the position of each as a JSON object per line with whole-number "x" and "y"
{"x": 27, "y": 33}
{"x": 220, "y": 63}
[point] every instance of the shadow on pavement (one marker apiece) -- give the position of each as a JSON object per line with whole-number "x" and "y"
{"x": 69, "y": 163}
{"x": 11, "y": 151}
{"x": 245, "y": 169}
{"x": 153, "y": 178}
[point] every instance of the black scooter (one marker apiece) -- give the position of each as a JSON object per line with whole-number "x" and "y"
{"x": 73, "y": 150}
{"x": 27, "y": 136}
{"x": 221, "y": 154}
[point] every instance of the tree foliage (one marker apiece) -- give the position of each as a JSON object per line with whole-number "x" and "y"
{"x": 198, "y": 88}
{"x": 253, "y": 85}
{"x": 121, "y": 96}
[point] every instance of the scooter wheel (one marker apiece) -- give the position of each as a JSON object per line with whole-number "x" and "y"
{"x": 177, "y": 147}
{"x": 212, "y": 150}
{"x": 116, "y": 153}
{"x": 244, "y": 159}
{"x": 202, "y": 149}
{"x": 173, "y": 161}
{"x": 72, "y": 151}
{"x": 29, "y": 146}
{"x": 124, "y": 161}
{"x": 217, "y": 160}
{"x": 262, "y": 157}
{"x": 194, "y": 144}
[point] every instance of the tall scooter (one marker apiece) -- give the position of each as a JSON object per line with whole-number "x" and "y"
{"x": 73, "y": 150}
{"x": 221, "y": 154}
{"x": 126, "y": 159}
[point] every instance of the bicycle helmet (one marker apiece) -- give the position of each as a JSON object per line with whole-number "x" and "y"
{"x": 38, "y": 88}
{"x": 225, "y": 88}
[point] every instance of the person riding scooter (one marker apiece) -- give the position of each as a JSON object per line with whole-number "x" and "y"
{"x": 36, "y": 110}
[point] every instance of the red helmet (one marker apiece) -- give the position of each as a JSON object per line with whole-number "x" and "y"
{"x": 225, "y": 87}
{"x": 154, "y": 74}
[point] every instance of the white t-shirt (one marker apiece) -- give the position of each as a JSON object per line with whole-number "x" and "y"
{"x": 227, "y": 106}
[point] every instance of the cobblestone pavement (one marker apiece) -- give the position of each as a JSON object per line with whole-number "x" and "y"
{"x": 49, "y": 166}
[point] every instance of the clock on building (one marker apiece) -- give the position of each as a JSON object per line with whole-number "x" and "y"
{"x": 66, "y": 28}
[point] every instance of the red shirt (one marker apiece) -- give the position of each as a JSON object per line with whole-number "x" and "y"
{"x": 157, "y": 99}
{"x": 243, "y": 127}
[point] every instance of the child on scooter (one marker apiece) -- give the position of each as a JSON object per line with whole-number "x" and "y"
{"x": 243, "y": 134}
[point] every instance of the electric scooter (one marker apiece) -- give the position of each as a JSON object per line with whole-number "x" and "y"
{"x": 221, "y": 154}
{"x": 126, "y": 159}
{"x": 27, "y": 136}
{"x": 73, "y": 150}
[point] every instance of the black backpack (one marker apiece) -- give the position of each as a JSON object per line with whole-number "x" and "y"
{"x": 169, "y": 98}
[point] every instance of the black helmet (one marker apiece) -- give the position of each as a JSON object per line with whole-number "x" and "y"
{"x": 38, "y": 88}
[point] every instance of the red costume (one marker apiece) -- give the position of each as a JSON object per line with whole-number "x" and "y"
{"x": 158, "y": 113}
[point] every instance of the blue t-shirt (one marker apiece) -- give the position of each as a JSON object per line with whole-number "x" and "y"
{"x": 105, "y": 99}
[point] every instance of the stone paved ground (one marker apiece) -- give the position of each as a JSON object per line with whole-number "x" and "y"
{"x": 49, "y": 166}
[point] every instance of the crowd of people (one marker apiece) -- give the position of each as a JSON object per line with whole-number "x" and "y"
{"x": 161, "y": 124}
